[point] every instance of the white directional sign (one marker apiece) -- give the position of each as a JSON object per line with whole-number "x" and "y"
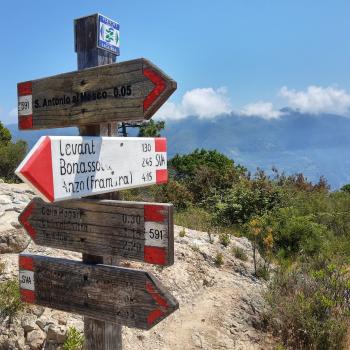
{"x": 64, "y": 167}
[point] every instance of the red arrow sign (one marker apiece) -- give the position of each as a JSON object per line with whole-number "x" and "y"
{"x": 64, "y": 167}
{"x": 127, "y": 91}
{"x": 134, "y": 298}
{"x": 130, "y": 230}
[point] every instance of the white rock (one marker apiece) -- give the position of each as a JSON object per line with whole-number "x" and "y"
{"x": 28, "y": 323}
{"x": 35, "y": 339}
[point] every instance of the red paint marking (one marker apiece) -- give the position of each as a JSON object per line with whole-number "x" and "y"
{"x": 25, "y": 122}
{"x": 161, "y": 176}
{"x": 160, "y": 144}
{"x": 38, "y": 169}
{"x": 156, "y": 296}
{"x": 26, "y": 263}
{"x": 157, "y": 213}
{"x": 154, "y": 315}
{"x": 155, "y": 255}
{"x": 23, "y": 219}
{"x": 28, "y": 296}
{"x": 24, "y": 88}
{"x": 160, "y": 86}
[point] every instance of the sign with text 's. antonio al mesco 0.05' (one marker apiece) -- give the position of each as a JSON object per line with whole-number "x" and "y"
{"x": 127, "y": 91}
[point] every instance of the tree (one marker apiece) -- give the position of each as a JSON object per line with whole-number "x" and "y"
{"x": 151, "y": 129}
{"x": 11, "y": 154}
{"x": 186, "y": 166}
{"x": 5, "y": 135}
{"x": 346, "y": 188}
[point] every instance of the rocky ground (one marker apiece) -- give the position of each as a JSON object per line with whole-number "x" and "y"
{"x": 220, "y": 307}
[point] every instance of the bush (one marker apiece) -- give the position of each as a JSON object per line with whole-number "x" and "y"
{"x": 204, "y": 173}
{"x": 182, "y": 233}
{"x": 263, "y": 271}
{"x": 10, "y": 300}
{"x": 174, "y": 192}
{"x": 246, "y": 200}
{"x": 74, "y": 340}
{"x": 239, "y": 253}
{"x": 310, "y": 307}
{"x": 219, "y": 259}
{"x": 193, "y": 218}
{"x": 11, "y": 155}
{"x": 224, "y": 239}
{"x": 296, "y": 235}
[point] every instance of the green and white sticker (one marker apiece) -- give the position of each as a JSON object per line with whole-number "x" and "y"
{"x": 108, "y": 34}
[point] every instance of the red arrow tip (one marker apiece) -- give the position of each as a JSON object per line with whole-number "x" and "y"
{"x": 38, "y": 169}
{"x": 154, "y": 315}
{"x": 160, "y": 86}
{"x": 23, "y": 219}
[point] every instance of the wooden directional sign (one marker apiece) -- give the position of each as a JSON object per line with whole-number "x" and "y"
{"x": 65, "y": 167}
{"x": 128, "y": 91}
{"x": 132, "y": 230}
{"x": 134, "y": 298}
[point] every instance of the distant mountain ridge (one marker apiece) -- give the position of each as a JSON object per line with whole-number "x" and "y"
{"x": 313, "y": 144}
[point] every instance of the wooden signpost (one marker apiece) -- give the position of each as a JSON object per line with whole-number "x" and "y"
{"x": 64, "y": 167}
{"x": 128, "y": 91}
{"x": 119, "y": 295}
{"x": 60, "y": 168}
{"x": 130, "y": 230}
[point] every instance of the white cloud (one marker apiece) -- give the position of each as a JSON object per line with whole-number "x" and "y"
{"x": 14, "y": 113}
{"x": 261, "y": 109}
{"x": 317, "y": 99}
{"x": 203, "y": 103}
{"x": 209, "y": 103}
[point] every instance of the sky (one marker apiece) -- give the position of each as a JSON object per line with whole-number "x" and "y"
{"x": 250, "y": 57}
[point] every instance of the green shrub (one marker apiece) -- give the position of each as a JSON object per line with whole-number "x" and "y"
{"x": 224, "y": 239}
{"x": 219, "y": 259}
{"x": 11, "y": 155}
{"x": 10, "y": 300}
{"x": 295, "y": 235}
{"x": 193, "y": 218}
{"x": 174, "y": 192}
{"x": 245, "y": 200}
{"x": 204, "y": 173}
{"x": 151, "y": 128}
{"x": 263, "y": 272}
{"x": 310, "y": 307}
{"x": 182, "y": 233}
{"x": 239, "y": 253}
{"x": 74, "y": 340}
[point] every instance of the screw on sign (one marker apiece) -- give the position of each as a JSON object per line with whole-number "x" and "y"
{"x": 128, "y": 91}
{"x": 130, "y": 230}
{"x": 129, "y": 297}
{"x": 65, "y": 167}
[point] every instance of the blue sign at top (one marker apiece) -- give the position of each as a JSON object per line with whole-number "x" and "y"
{"x": 108, "y": 34}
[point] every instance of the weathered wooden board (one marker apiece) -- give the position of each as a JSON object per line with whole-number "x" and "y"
{"x": 134, "y": 298}
{"x": 127, "y": 91}
{"x": 65, "y": 167}
{"x": 133, "y": 230}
